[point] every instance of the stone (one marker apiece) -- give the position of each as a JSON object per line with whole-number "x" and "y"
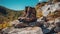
{"x": 14, "y": 22}
{"x": 27, "y": 30}
{"x": 57, "y": 29}
{"x": 58, "y": 32}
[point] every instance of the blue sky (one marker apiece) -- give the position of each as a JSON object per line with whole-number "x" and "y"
{"x": 19, "y": 4}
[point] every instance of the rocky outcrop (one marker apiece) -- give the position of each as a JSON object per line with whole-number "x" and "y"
{"x": 38, "y": 9}
{"x": 49, "y": 10}
{"x": 27, "y": 30}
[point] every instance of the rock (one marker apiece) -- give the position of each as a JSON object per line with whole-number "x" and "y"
{"x": 27, "y": 30}
{"x": 57, "y": 29}
{"x": 21, "y": 25}
{"x": 58, "y": 32}
{"x": 15, "y": 22}
{"x": 57, "y": 24}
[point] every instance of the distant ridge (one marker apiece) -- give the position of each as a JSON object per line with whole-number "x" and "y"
{"x": 9, "y": 14}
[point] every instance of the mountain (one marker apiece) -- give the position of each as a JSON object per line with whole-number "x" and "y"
{"x": 8, "y": 14}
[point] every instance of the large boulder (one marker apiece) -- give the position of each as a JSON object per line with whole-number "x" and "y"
{"x": 27, "y": 30}
{"x": 57, "y": 24}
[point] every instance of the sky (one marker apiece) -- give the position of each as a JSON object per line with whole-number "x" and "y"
{"x": 19, "y": 4}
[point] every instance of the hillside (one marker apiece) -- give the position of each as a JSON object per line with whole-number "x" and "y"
{"x": 8, "y": 14}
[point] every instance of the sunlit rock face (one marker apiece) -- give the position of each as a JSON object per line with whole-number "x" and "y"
{"x": 45, "y": 8}
{"x": 50, "y": 8}
{"x": 27, "y": 30}
{"x": 57, "y": 5}
{"x": 38, "y": 9}
{"x": 14, "y": 22}
{"x": 39, "y": 13}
